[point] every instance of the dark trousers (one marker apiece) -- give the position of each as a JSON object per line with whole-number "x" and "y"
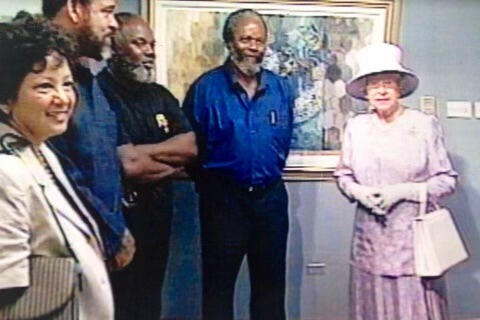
{"x": 236, "y": 222}
{"x": 137, "y": 289}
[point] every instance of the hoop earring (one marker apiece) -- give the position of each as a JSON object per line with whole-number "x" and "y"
{"x": 6, "y": 109}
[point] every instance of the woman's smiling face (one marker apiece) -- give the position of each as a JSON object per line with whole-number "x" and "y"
{"x": 45, "y": 101}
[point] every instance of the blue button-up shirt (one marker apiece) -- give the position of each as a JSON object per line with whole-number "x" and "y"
{"x": 88, "y": 152}
{"x": 242, "y": 139}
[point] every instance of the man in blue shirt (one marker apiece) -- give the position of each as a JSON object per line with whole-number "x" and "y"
{"x": 88, "y": 150}
{"x": 242, "y": 117}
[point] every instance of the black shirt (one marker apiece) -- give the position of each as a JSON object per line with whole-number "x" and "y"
{"x": 149, "y": 113}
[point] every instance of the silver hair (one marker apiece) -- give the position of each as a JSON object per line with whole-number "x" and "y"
{"x": 234, "y": 18}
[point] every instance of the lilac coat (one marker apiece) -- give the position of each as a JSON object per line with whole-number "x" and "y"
{"x": 410, "y": 149}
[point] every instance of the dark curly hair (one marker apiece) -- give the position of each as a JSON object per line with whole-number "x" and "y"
{"x": 24, "y": 45}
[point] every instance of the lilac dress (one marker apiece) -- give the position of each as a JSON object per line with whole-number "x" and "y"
{"x": 410, "y": 149}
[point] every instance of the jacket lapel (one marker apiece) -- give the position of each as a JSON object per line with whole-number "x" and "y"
{"x": 47, "y": 192}
{"x": 60, "y": 175}
{"x": 45, "y": 182}
{"x": 52, "y": 196}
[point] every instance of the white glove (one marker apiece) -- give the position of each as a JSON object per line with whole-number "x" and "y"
{"x": 367, "y": 196}
{"x": 392, "y": 194}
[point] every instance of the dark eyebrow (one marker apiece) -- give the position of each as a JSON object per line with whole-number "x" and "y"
{"x": 140, "y": 38}
{"x": 109, "y": 8}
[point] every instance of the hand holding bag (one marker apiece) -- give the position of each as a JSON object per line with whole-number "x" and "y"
{"x": 437, "y": 242}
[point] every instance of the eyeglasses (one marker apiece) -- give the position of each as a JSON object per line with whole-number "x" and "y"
{"x": 385, "y": 83}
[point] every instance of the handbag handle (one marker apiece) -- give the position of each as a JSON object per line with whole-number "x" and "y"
{"x": 78, "y": 266}
{"x": 423, "y": 199}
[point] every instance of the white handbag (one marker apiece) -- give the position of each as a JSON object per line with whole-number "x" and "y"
{"x": 437, "y": 242}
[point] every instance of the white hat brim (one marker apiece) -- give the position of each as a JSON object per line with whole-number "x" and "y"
{"x": 357, "y": 86}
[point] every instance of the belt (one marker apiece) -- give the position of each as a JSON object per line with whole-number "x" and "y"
{"x": 260, "y": 188}
{"x": 250, "y": 189}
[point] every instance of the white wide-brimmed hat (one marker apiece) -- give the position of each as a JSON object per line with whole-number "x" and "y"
{"x": 380, "y": 58}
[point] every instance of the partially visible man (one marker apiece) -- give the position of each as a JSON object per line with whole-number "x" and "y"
{"x": 157, "y": 127}
{"x": 242, "y": 117}
{"x": 88, "y": 150}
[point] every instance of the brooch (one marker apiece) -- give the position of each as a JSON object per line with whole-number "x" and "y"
{"x": 162, "y": 122}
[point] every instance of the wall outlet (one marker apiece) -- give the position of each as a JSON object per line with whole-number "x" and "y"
{"x": 316, "y": 268}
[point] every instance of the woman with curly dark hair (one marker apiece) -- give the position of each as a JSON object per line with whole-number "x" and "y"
{"x": 41, "y": 216}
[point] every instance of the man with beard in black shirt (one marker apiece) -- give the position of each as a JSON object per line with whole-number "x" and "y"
{"x": 157, "y": 127}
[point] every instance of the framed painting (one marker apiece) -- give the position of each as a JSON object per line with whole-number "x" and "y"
{"x": 313, "y": 43}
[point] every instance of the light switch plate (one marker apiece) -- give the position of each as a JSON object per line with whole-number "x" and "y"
{"x": 428, "y": 105}
{"x": 459, "y": 109}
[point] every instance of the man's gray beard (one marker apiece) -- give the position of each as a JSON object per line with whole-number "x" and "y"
{"x": 134, "y": 72}
{"x": 142, "y": 74}
{"x": 247, "y": 65}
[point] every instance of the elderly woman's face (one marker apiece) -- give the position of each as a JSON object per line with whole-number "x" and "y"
{"x": 45, "y": 100}
{"x": 383, "y": 91}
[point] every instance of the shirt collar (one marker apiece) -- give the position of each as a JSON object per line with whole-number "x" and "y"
{"x": 93, "y": 66}
{"x": 82, "y": 74}
{"x": 233, "y": 81}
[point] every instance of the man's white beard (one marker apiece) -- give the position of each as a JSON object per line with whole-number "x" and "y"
{"x": 248, "y": 65}
{"x": 142, "y": 74}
